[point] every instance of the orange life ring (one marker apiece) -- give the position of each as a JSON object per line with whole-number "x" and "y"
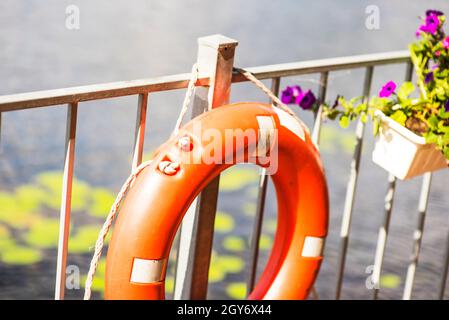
{"x": 155, "y": 205}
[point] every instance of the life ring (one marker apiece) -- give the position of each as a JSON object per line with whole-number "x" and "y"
{"x": 155, "y": 205}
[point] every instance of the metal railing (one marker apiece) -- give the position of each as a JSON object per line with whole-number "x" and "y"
{"x": 215, "y": 63}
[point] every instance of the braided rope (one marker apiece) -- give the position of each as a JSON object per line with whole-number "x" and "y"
{"x": 107, "y": 225}
{"x": 277, "y": 102}
{"x": 189, "y": 93}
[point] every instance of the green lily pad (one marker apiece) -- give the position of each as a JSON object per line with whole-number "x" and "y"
{"x": 265, "y": 242}
{"x": 101, "y": 202}
{"x": 19, "y": 255}
{"x": 234, "y": 243}
{"x": 6, "y": 240}
{"x": 51, "y": 181}
{"x": 238, "y": 177}
{"x": 43, "y": 234}
{"x": 230, "y": 264}
{"x": 224, "y": 222}
{"x": 84, "y": 239}
{"x": 390, "y": 281}
{"x": 216, "y": 274}
{"x": 169, "y": 284}
{"x": 12, "y": 213}
{"x": 30, "y": 197}
{"x": 236, "y": 290}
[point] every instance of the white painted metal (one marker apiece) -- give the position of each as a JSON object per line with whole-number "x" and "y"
{"x": 417, "y": 236}
{"x": 403, "y": 153}
{"x": 139, "y": 137}
{"x": 316, "y": 131}
{"x": 351, "y": 188}
{"x": 66, "y": 201}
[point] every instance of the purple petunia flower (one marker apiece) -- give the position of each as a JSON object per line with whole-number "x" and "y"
{"x": 446, "y": 43}
{"x": 434, "y": 12}
{"x": 387, "y": 90}
{"x": 306, "y": 100}
{"x": 296, "y": 91}
{"x": 446, "y": 106}
{"x": 287, "y": 95}
{"x": 290, "y": 94}
{"x": 432, "y": 23}
{"x": 429, "y": 77}
{"x": 431, "y": 26}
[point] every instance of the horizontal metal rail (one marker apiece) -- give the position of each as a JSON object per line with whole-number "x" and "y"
{"x": 125, "y": 88}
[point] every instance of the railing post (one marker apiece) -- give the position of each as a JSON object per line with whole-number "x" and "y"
{"x": 139, "y": 136}
{"x": 384, "y": 228}
{"x": 417, "y": 236}
{"x": 66, "y": 201}
{"x": 351, "y": 188}
{"x": 216, "y": 61}
{"x": 444, "y": 271}
{"x": 316, "y": 131}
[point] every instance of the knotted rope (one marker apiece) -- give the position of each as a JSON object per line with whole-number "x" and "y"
{"x": 165, "y": 166}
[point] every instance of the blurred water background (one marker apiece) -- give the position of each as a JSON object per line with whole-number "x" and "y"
{"x": 125, "y": 40}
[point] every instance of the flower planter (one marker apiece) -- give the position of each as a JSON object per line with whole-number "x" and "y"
{"x": 403, "y": 153}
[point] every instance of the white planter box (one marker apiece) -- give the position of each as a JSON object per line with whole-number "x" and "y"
{"x": 403, "y": 153}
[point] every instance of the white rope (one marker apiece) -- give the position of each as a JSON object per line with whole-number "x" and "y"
{"x": 189, "y": 93}
{"x": 107, "y": 225}
{"x": 277, "y": 102}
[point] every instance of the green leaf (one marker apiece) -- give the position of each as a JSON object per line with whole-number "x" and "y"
{"x": 344, "y": 121}
{"x": 399, "y": 116}
{"x": 376, "y": 125}
{"x": 405, "y": 90}
{"x": 433, "y": 122}
{"x": 364, "y": 117}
